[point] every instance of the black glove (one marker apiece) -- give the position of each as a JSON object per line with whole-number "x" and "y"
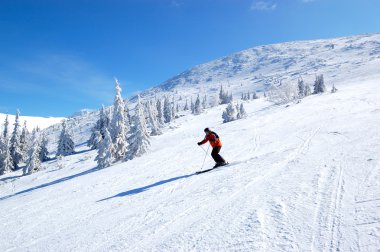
{"x": 199, "y": 143}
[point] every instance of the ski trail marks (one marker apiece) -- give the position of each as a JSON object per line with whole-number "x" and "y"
{"x": 327, "y": 221}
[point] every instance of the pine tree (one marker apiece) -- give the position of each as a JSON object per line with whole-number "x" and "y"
{"x": 139, "y": 138}
{"x": 6, "y": 162}
{"x": 44, "y": 153}
{"x": 153, "y": 122}
{"x": 204, "y": 103}
{"x": 97, "y": 132}
{"x": 319, "y": 84}
{"x": 254, "y": 95}
{"x": 160, "y": 115}
{"x": 15, "y": 150}
{"x": 167, "y": 111}
{"x": 6, "y": 126}
{"x": 333, "y": 89}
{"x": 307, "y": 90}
{"x": 192, "y": 106}
{"x": 105, "y": 151}
{"x": 197, "y": 106}
{"x": 242, "y": 113}
{"x": 33, "y": 163}
{"x": 65, "y": 142}
{"x": 249, "y": 96}
{"x": 118, "y": 127}
{"x": 229, "y": 114}
{"x": 24, "y": 142}
{"x": 127, "y": 115}
{"x": 301, "y": 88}
{"x": 186, "y": 107}
{"x": 173, "y": 109}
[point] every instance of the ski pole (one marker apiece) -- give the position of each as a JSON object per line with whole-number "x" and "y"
{"x": 204, "y": 160}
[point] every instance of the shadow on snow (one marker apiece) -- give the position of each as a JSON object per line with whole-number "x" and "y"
{"x": 51, "y": 183}
{"x": 147, "y": 187}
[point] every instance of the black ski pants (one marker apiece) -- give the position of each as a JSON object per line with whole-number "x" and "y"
{"x": 215, "y": 155}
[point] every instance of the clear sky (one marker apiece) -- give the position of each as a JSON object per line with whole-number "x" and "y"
{"x": 59, "y": 56}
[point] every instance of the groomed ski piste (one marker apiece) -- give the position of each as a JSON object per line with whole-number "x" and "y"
{"x": 303, "y": 177}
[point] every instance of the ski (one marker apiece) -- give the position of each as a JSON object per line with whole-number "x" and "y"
{"x": 207, "y": 170}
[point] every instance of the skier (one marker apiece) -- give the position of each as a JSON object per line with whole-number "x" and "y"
{"x": 216, "y": 145}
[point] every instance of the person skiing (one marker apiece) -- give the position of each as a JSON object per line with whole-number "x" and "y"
{"x": 216, "y": 145}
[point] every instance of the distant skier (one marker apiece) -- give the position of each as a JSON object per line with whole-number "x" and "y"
{"x": 216, "y": 145}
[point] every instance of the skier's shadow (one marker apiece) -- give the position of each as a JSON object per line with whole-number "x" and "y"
{"x": 147, "y": 187}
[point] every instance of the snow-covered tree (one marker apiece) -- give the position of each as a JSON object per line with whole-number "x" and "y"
{"x": 105, "y": 151}
{"x": 319, "y": 84}
{"x": 229, "y": 114}
{"x": 167, "y": 111}
{"x": 242, "y": 113}
{"x": 186, "y": 107}
{"x": 224, "y": 97}
{"x": 301, "y": 88}
{"x": 44, "y": 153}
{"x": 197, "y": 106}
{"x": 98, "y": 131}
{"x": 173, "y": 109}
{"x": 192, "y": 106}
{"x": 155, "y": 128}
{"x": 24, "y": 142}
{"x": 6, "y": 128}
{"x": 204, "y": 102}
{"x": 127, "y": 115}
{"x": 33, "y": 163}
{"x": 119, "y": 129}
{"x": 307, "y": 90}
{"x": 254, "y": 95}
{"x": 333, "y": 89}
{"x": 139, "y": 138}
{"x": 6, "y": 162}
{"x": 15, "y": 149}
{"x": 65, "y": 142}
{"x": 160, "y": 115}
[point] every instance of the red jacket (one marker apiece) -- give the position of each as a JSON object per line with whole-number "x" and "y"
{"x": 213, "y": 138}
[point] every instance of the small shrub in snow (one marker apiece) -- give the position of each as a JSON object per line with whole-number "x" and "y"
{"x": 333, "y": 89}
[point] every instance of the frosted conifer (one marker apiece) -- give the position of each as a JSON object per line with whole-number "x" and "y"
{"x": 6, "y": 127}
{"x": 105, "y": 151}
{"x": 197, "y": 106}
{"x": 160, "y": 115}
{"x": 319, "y": 84}
{"x": 301, "y": 88}
{"x": 139, "y": 138}
{"x": 167, "y": 111}
{"x": 333, "y": 89}
{"x": 153, "y": 122}
{"x": 33, "y": 163}
{"x": 6, "y": 162}
{"x": 15, "y": 149}
{"x": 43, "y": 149}
{"x": 65, "y": 143}
{"x": 118, "y": 127}
{"x": 242, "y": 113}
{"x": 229, "y": 114}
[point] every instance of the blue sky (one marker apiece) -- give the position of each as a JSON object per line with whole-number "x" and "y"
{"x": 59, "y": 56}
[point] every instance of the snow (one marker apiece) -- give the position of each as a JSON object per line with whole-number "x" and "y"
{"x": 31, "y": 121}
{"x": 303, "y": 177}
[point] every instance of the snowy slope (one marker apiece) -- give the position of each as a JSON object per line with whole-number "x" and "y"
{"x": 32, "y": 121}
{"x": 257, "y": 69}
{"x": 304, "y": 177}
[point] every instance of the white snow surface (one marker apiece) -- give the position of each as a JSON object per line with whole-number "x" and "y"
{"x": 303, "y": 177}
{"x": 31, "y": 121}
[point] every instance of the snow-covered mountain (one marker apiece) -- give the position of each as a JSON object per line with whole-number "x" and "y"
{"x": 32, "y": 121}
{"x": 303, "y": 176}
{"x": 257, "y": 69}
